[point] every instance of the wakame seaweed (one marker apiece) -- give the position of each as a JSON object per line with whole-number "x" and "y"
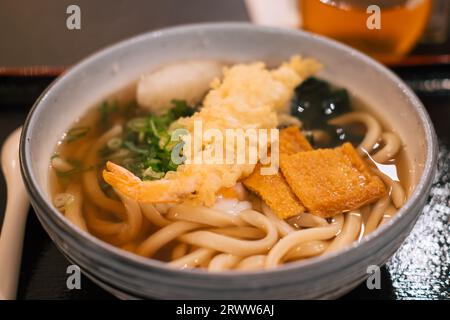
{"x": 315, "y": 102}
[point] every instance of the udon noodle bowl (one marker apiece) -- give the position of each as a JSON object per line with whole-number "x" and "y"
{"x": 147, "y": 169}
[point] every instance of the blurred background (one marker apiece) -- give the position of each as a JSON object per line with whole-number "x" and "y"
{"x": 35, "y": 33}
{"x": 36, "y": 46}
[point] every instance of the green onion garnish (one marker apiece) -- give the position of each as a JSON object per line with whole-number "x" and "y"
{"x": 137, "y": 124}
{"x": 114, "y": 144}
{"x": 77, "y": 133}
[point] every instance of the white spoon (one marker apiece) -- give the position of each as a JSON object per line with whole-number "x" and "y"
{"x": 17, "y": 205}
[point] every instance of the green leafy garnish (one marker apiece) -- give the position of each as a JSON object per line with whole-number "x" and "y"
{"x": 76, "y": 133}
{"x": 148, "y": 140}
{"x": 132, "y": 147}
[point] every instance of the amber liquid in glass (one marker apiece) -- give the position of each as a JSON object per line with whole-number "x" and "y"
{"x": 401, "y": 25}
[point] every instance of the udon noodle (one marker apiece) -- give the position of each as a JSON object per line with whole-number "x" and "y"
{"x": 236, "y": 233}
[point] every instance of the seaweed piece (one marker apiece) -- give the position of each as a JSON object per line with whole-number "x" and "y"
{"x": 315, "y": 102}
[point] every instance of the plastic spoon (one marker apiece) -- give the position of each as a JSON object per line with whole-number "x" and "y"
{"x": 17, "y": 205}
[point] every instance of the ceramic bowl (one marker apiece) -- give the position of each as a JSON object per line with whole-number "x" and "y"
{"x": 129, "y": 276}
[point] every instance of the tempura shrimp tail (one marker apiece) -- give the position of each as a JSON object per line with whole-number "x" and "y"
{"x": 157, "y": 191}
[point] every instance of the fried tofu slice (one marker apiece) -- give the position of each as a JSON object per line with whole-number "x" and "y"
{"x": 331, "y": 181}
{"x": 293, "y": 141}
{"x": 273, "y": 189}
{"x": 275, "y": 192}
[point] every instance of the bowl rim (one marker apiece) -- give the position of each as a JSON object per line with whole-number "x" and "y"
{"x": 44, "y": 204}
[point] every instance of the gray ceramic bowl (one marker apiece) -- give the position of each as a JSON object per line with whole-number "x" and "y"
{"x": 127, "y": 275}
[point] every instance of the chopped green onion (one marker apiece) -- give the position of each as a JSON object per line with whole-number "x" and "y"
{"x": 60, "y": 165}
{"x": 114, "y": 144}
{"x": 131, "y": 146}
{"x": 164, "y": 141}
{"x": 172, "y": 166}
{"x": 146, "y": 145}
{"x": 141, "y": 136}
{"x": 180, "y": 109}
{"x": 62, "y": 200}
{"x": 153, "y": 127}
{"x": 77, "y": 133}
{"x": 137, "y": 124}
{"x": 154, "y": 162}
